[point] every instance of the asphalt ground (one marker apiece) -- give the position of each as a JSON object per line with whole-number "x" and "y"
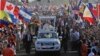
{"x": 62, "y": 53}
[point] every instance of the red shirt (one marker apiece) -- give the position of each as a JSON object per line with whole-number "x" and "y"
{"x": 84, "y": 50}
{"x": 8, "y": 52}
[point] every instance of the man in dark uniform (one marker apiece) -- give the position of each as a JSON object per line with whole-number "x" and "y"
{"x": 65, "y": 38}
{"x": 27, "y": 41}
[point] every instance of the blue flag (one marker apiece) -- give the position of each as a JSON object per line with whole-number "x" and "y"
{"x": 14, "y": 19}
{"x": 3, "y": 22}
{"x": 25, "y": 14}
{"x": 90, "y": 6}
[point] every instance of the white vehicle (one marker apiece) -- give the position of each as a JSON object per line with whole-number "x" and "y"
{"x": 47, "y": 41}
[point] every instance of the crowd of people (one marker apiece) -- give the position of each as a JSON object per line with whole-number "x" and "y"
{"x": 7, "y": 42}
{"x": 83, "y": 37}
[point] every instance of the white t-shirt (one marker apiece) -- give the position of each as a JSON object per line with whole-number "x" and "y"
{"x": 91, "y": 54}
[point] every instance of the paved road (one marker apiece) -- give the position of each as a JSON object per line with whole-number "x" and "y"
{"x": 68, "y": 53}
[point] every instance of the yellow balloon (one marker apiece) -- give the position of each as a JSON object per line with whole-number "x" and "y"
{"x": 2, "y": 14}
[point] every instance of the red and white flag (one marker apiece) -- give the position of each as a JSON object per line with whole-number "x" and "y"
{"x": 95, "y": 9}
{"x": 2, "y": 4}
{"x": 16, "y": 11}
{"x": 9, "y": 7}
{"x": 98, "y": 9}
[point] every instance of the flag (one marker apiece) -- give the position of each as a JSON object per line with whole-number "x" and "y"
{"x": 88, "y": 16}
{"x": 98, "y": 10}
{"x": 81, "y": 6}
{"x": 2, "y": 14}
{"x": 26, "y": 15}
{"x": 2, "y": 4}
{"x": 90, "y": 5}
{"x": 81, "y": 10}
{"x": 21, "y": 19}
{"x": 16, "y": 11}
{"x": 79, "y": 3}
{"x": 93, "y": 9}
{"x": 9, "y": 7}
{"x": 13, "y": 18}
{"x": 4, "y": 22}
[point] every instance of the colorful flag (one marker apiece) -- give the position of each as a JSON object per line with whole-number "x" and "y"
{"x": 98, "y": 10}
{"x": 16, "y": 11}
{"x": 81, "y": 10}
{"x": 95, "y": 9}
{"x": 2, "y": 4}
{"x": 88, "y": 16}
{"x": 26, "y": 15}
{"x": 13, "y": 18}
{"x": 9, "y": 7}
{"x": 90, "y": 5}
{"x": 2, "y": 14}
{"x": 3, "y": 22}
{"x": 21, "y": 19}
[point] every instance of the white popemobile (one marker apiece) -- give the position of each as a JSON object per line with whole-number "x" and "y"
{"x": 47, "y": 40}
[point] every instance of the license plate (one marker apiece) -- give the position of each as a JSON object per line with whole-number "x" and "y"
{"x": 47, "y": 47}
{"x": 47, "y": 44}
